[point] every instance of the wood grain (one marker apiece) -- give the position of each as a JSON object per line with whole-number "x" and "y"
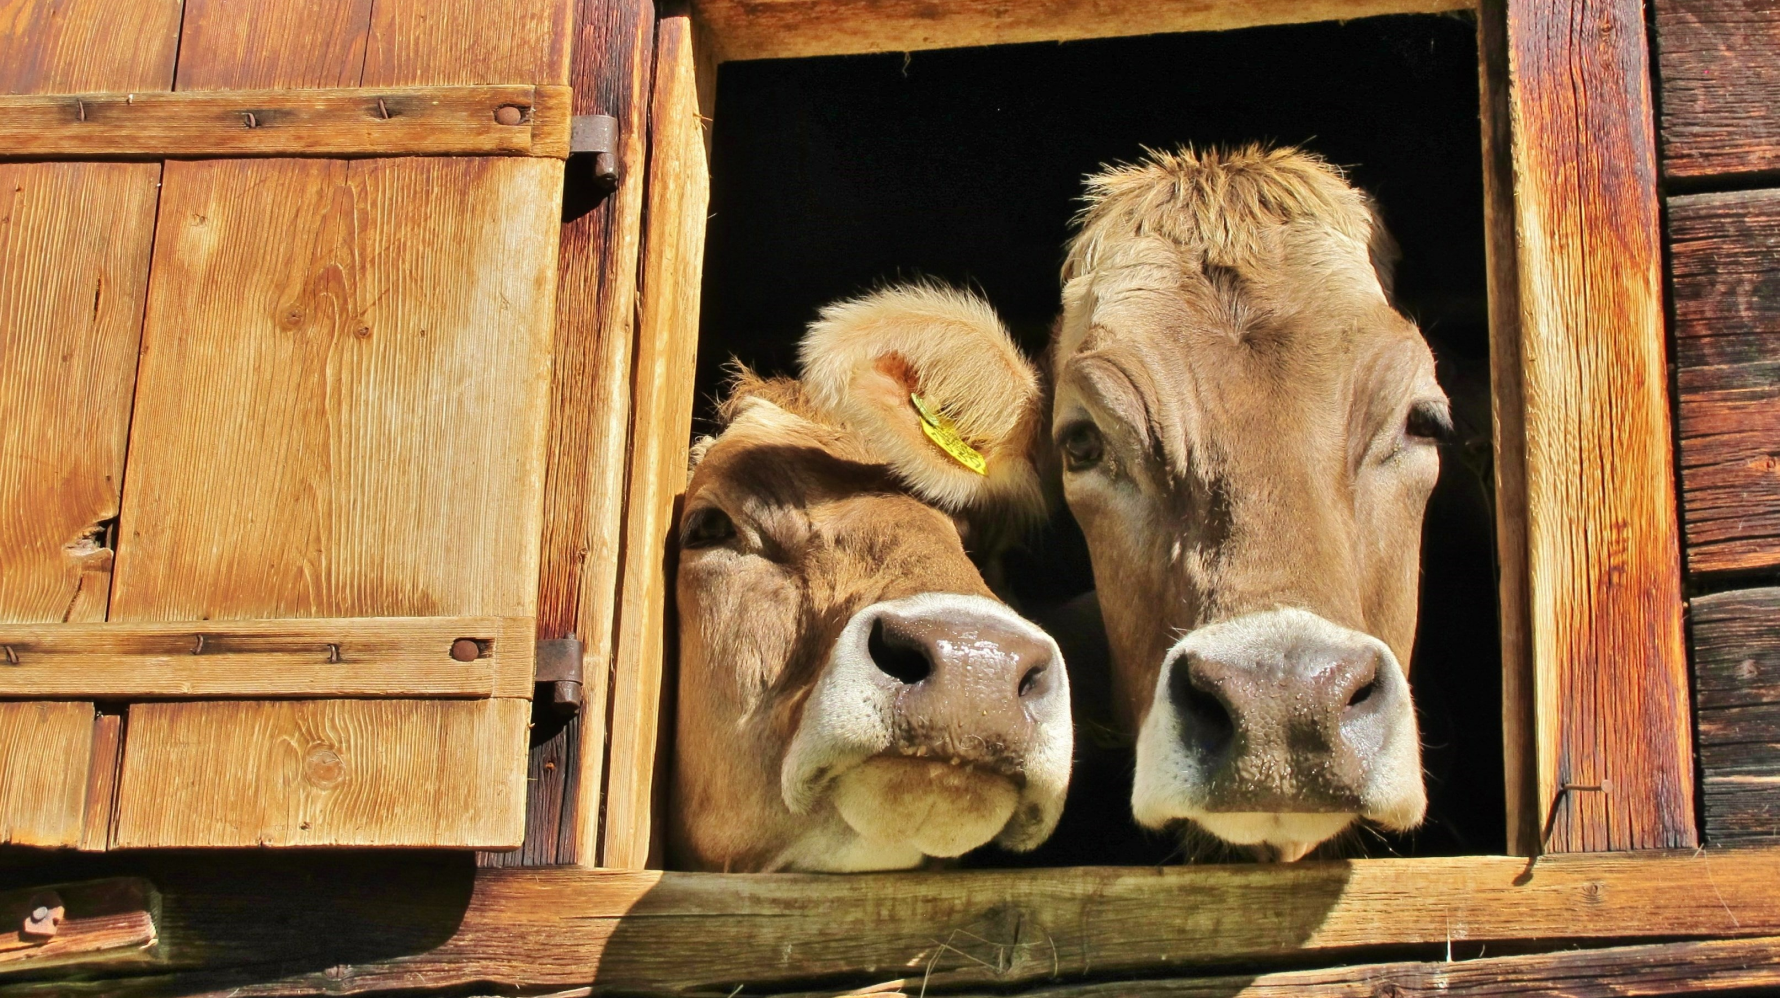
{"x": 1612, "y": 972}
{"x": 421, "y": 121}
{"x": 291, "y": 44}
{"x": 324, "y": 772}
{"x": 101, "y": 796}
{"x": 780, "y": 29}
{"x": 1736, "y": 646}
{"x": 109, "y": 924}
{"x": 661, "y": 429}
{"x": 349, "y": 657}
{"x": 45, "y": 749}
{"x": 69, "y": 45}
{"x": 1720, "y": 64}
{"x": 596, "y": 305}
{"x": 368, "y": 343}
{"x": 74, "y": 250}
{"x": 1724, "y": 258}
{"x": 1606, "y": 675}
{"x": 524, "y": 931}
{"x": 1508, "y": 423}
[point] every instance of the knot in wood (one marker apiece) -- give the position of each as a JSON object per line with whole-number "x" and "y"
{"x": 323, "y": 767}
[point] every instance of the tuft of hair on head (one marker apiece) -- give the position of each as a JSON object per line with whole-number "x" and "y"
{"x": 862, "y": 359}
{"x": 1214, "y": 201}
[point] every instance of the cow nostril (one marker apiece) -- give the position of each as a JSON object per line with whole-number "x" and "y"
{"x": 1206, "y": 721}
{"x": 1030, "y": 680}
{"x": 1363, "y": 694}
{"x": 896, "y": 658}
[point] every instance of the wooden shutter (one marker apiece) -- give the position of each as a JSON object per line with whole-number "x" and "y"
{"x": 333, "y": 376}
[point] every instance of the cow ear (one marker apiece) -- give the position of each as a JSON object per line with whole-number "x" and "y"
{"x": 931, "y": 380}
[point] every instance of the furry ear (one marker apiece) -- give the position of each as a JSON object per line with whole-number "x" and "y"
{"x": 863, "y": 358}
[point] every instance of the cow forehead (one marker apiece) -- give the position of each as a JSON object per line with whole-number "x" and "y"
{"x": 1211, "y": 361}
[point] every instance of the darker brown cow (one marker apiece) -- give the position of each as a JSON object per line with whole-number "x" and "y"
{"x": 852, "y": 696}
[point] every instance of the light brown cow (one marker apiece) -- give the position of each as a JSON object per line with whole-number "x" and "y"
{"x": 852, "y": 697}
{"x": 1248, "y": 428}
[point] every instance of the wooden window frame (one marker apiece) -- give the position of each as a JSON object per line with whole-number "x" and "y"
{"x": 1596, "y": 718}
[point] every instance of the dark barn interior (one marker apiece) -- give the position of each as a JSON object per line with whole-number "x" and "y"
{"x": 835, "y": 175}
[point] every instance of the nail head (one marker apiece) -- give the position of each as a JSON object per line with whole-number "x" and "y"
{"x": 509, "y": 114}
{"x": 465, "y": 649}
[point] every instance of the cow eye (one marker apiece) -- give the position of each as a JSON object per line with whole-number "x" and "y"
{"x": 706, "y": 527}
{"x": 1429, "y": 421}
{"x": 1082, "y": 446}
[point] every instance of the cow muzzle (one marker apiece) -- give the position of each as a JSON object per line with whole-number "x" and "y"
{"x": 941, "y": 722}
{"x": 1276, "y": 730}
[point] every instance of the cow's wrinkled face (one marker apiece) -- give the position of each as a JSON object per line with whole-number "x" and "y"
{"x": 852, "y": 696}
{"x": 1247, "y": 435}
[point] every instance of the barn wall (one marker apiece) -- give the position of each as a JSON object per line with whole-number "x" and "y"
{"x": 1719, "y": 73}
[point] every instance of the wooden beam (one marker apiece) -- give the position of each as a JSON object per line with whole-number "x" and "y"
{"x": 781, "y": 29}
{"x": 304, "y": 657}
{"x": 1611, "y": 972}
{"x": 105, "y": 924}
{"x": 383, "y": 922}
{"x": 1595, "y": 680}
{"x": 399, "y": 121}
{"x": 660, "y": 431}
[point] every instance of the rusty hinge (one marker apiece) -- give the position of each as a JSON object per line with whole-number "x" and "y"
{"x": 593, "y": 140}
{"x": 559, "y": 667}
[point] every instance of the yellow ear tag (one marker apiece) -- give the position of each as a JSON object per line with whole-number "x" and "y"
{"x": 940, "y": 430}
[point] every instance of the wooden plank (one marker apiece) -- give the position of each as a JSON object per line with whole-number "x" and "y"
{"x": 347, "y": 657}
{"x": 1612, "y": 972}
{"x": 1724, "y": 259}
{"x": 107, "y": 924}
{"x": 45, "y": 750}
{"x": 369, "y": 344}
{"x": 386, "y": 121}
{"x": 1720, "y": 64}
{"x": 525, "y": 931}
{"x": 1736, "y": 646}
{"x": 1606, "y": 673}
{"x": 596, "y": 305}
{"x": 661, "y": 428}
{"x": 289, "y": 44}
{"x": 74, "y": 250}
{"x": 77, "y": 45}
{"x": 325, "y": 772}
{"x": 1508, "y": 427}
{"x": 101, "y": 797}
{"x": 781, "y": 29}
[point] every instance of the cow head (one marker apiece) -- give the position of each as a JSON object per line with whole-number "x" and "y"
{"x": 1247, "y": 430}
{"x": 852, "y": 696}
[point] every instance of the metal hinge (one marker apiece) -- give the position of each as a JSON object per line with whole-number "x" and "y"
{"x": 593, "y": 140}
{"x": 559, "y": 667}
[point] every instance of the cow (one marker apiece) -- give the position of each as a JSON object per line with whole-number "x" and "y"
{"x": 852, "y": 695}
{"x": 1247, "y": 430}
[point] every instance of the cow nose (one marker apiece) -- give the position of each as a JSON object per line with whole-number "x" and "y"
{"x": 970, "y": 685}
{"x": 980, "y": 656}
{"x": 1282, "y": 729}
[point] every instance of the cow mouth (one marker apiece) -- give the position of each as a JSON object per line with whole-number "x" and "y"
{"x": 942, "y": 808}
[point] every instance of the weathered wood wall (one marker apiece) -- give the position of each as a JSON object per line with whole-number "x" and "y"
{"x": 1719, "y": 87}
{"x": 273, "y": 389}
